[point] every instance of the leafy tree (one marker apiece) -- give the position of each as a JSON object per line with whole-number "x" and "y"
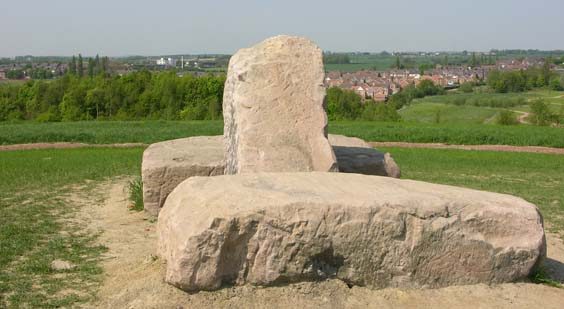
{"x": 72, "y": 66}
{"x": 97, "y": 65}
{"x": 80, "y": 68}
{"x": 380, "y": 112}
{"x": 427, "y": 88}
{"x": 90, "y": 67}
{"x": 15, "y": 74}
{"x": 541, "y": 114}
{"x": 474, "y": 61}
{"x": 467, "y": 87}
{"x": 343, "y": 104}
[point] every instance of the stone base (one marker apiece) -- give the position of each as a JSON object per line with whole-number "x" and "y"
{"x": 269, "y": 229}
{"x": 167, "y": 164}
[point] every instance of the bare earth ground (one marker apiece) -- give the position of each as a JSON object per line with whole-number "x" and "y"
{"x": 64, "y": 145}
{"x": 134, "y": 276}
{"x": 507, "y": 148}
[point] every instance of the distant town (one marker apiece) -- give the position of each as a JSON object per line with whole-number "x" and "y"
{"x": 372, "y": 76}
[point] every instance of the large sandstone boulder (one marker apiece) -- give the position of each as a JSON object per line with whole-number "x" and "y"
{"x": 275, "y": 228}
{"x": 273, "y": 109}
{"x": 167, "y": 164}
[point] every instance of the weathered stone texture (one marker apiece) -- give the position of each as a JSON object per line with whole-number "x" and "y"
{"x": 274, "y": 118}
{"x": 267, "y": 229}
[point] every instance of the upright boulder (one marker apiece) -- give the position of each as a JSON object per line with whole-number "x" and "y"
{"x": 273, "y": 109}
{"x": 275, "y": 228}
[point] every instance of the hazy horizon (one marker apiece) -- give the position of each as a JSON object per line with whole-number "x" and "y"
{"x": 144, "y": 28}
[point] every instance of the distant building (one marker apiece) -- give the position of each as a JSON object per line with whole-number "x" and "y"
{"x": 167, "y": 61}
{"x": 2, "y": 74}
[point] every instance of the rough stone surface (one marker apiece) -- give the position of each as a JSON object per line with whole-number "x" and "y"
{"x": 274, "y": 118}
{"x": 274, "y": 228}
{"x": 167, "y": 164}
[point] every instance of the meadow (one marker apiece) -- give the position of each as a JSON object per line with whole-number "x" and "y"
{"x": 36, "y": 216}
{"x": 107, "y": 132}
{"x": 477, "y": 108}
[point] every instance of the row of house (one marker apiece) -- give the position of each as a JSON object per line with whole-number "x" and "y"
{"x": 56, "y": 68}
{"x": 379, "y": 86}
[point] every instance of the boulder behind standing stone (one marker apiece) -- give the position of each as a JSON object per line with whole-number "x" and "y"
{"x": 273, "y": 109}
{"x": 166, "y": 164}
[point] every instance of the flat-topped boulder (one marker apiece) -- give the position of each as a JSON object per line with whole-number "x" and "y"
{"x": 273, "y": 110}
{"x": 167, "y": 164}
{"x": 274, "y": 228}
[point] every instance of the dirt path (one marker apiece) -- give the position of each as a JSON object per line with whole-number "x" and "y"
{"x": 523, "y": 117}
{"x": 506, "y": 148}
{"x": 134, "y": 276}
{"x": 65, "y": 145}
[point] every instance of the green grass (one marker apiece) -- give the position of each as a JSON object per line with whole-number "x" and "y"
{"x": 105, "y": 132}
{"x": 447, "y": 113}
{"x": 36, "y": 220}
{"x": 154, "y": 131}
{"x": 464, "y": 134}
{"x": 538, "y": 178}
{"x": 36, "y": 223}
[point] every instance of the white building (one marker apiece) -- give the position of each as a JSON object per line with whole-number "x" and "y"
{"x": 168, "y": 61}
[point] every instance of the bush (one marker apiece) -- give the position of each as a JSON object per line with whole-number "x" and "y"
{"x": 467, "y": 87}
{"x": 506, "y": 118}
{"x": 47, "y": 117}
{"x": 380, "y": 112}
{"x": 541, "y": 114}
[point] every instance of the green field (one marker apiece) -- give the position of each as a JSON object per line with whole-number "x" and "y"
{"x": 36, "y": 223}
{"x": 427, "y": 112}
{"x": 538, "y": 178}
{"x": 477, "y": 108}
{"x": 153, "y": 131}
{"x": 36, "y": 219}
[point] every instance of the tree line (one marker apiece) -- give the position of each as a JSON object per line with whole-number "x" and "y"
{"x": 139, "y": 95}
{"x": 523, "y": 80}
{"x": 331, "y": 58}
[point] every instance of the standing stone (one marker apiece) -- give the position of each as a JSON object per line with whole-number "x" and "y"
{"x": 273, "y": 109}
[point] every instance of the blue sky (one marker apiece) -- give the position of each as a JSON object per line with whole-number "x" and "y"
{"x": 127, "y": 27}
